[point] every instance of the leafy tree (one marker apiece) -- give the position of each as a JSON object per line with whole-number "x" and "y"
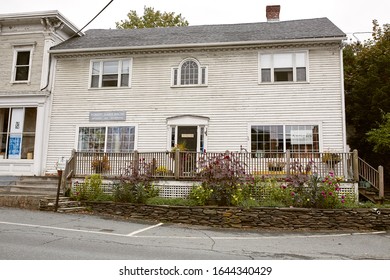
{"x": 380, "y": 137}
{"x": 151, "y": 19}
{"x": 367, "y": 87}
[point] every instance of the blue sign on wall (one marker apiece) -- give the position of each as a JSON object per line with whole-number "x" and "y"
{"x": 14, "y": 147}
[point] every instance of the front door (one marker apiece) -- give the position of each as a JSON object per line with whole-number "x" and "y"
{"x": 188, "y": 135}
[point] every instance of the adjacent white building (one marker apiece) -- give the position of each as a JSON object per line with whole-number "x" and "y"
{"x": 25, "y": 40}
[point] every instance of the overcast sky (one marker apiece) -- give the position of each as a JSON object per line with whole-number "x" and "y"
{"x": 349, "y": 15}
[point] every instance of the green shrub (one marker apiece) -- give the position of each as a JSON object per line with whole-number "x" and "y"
{"x": 222, "y": 175}
{"x": 91, "y": 189}
{"x": 135, "y": 185}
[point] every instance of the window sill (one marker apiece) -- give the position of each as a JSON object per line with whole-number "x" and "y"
{"x": 20, "y": 82}
{"x": 108, "y": 88}
{"x": 189, "y": 86}
{"x": 284, "y": 83}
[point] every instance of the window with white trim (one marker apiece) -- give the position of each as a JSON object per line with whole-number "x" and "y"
{"x": 17, "y": 132}
{"x": 110, "y": 139}
{"x": 110, "y": 73}
{"x": 22, "y": 65}
{"x": 189, "y": 73}
{"x": 283, "y": 67}
{"x": 279, "y": 138}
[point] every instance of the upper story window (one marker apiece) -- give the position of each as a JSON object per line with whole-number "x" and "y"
{"x": 110, "y": 73}
{"x": 283, "y": 67}
{"x": 189, "y": 73}
{"x": 22, "y": 65}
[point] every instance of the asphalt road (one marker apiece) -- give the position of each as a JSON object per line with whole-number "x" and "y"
{"x": 33, "y": 235}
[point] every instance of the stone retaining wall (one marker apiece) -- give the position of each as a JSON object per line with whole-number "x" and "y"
{"x": 20, "y": 201}
{"x": 260, "y": 218}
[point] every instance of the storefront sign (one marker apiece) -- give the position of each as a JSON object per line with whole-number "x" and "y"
{"x": 14, "y": 148}
{"x": 107, "y": 116}
{"x": 301, "y": 137}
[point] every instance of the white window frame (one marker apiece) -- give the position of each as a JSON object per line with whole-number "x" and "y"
{"x": 16, "y": 51}
{"x": 294, "y": 66}
{"x": 176, "y": 74}
{"x": 284, "y": 125}
{"x": 119, "y": 72}
{"x": 106, "y": 126}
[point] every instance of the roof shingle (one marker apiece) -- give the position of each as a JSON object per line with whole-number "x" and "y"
{"x": 204, "y": 35}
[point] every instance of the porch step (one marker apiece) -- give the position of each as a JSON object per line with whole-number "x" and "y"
{"x": 64, "y": 204}
{"x": 371, "y": 195}
{"x": 30, "y": 185}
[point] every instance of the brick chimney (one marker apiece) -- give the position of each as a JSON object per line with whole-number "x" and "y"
{"x": 272, "y": 13}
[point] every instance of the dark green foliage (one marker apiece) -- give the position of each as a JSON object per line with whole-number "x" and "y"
{"x": 151, "y": 19}
{"x": 367, "y": 92}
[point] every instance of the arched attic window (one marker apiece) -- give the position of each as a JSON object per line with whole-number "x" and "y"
{"x": 189, "y": 73}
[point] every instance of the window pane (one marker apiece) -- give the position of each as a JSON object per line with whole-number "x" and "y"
{"x": 203, "y": 76}
{"x": 125, "y": 67}
{"x": 265, "y": 61}
{"x": 109, "y": 80}
{"x": 124, "y": 80}
{"x": 23, "y": 58}
{"x": 30, "y": 120}
{"x": 22, "y": 73}
{"x": 189, "y": 73}
{"x": 175, "y": 76}
{"x": 91, "y": 139}
{"x": 120, "y": 139}
{"x": 4, "y": 116}
{"x": 95, "y": 81}
{"x": 300, "y": 60}
{"x": 283, "y": 74}
{"x": 302, "y": 138}
{"x": 267, "y": 139}
{"x": 265, "y": 75}
{"x": 301, "y": 74}
{"x": 283, "y": 60}
{"x": 96, "y": 68}
{"x": 110, "y": 67}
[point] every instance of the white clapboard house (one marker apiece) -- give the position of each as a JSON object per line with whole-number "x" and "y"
{"x": 269, "y": 90}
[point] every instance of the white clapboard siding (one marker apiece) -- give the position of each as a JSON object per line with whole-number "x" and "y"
{"x": 233, "y": 99}
{"x": 7, "y": 55}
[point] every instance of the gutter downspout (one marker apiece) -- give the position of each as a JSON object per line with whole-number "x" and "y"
{"x": 344, "y": 124}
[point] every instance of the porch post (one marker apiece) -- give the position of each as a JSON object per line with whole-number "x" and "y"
{"x": 136, "y": 163}
{"x": 288, "y": 157}
{"x": 381, "y": 182}
{"x": 177, "y": 164}
{"x": 355, "y": 165}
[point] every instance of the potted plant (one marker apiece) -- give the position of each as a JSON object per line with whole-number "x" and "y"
{"x": 101, "y": 164}
{"x": 331, "y": 159}
{"x": 276, "y": 165}
{"x": 178, "y": 147}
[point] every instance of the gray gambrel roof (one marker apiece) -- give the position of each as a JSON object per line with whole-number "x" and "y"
{"x": 203, "y": 35}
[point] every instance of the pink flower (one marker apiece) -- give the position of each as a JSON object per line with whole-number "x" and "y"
{"x": 292, "y": 193}
{"x": 330, "y": 193}
{"x": 342, "y": 201}
{"x": 343, "y": 197}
